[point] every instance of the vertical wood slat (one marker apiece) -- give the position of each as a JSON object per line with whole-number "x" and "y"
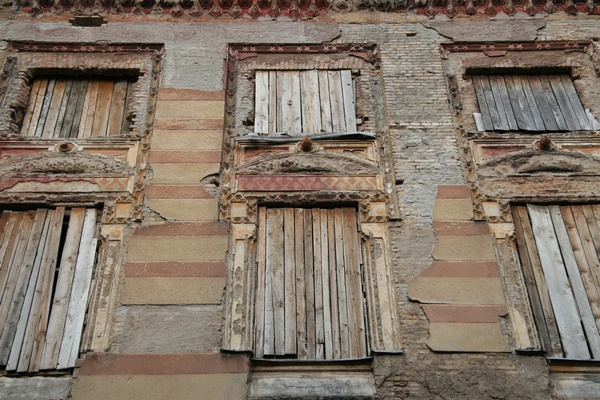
{"x": 483, "y": 105}
{"x": 348, "y": 95}
{"x": 27, "y": 120}
{"x": 501, "y": 96}
{"x": 38, "y": 318}
{"x": 79, "y": 293}
{"x": 541, "y": 99}
{"x": 325, "y": 268}
{"x": 10, "y": 234}
{"x": 526, "y": 120}
{"x": 552, "y": 103}
{"x": 21, "y": 346}
{"x": 117, "y": 108}
{"x": 300, "y": 284}
{"x": 311, "y": 104}
{"x": 274, "y": 104}
{"x": 538, "y": 291}
{"x": 318, "y": 280}
{"x": 533, "y": 106}
{"x": 269, "y": 330}
{"x": 261, "y": 102}
{"x": 10, "y": 307}
{"x": 500, "y": 107}
{"x": 74, "y": 106}
{"x": 87, "y": 126}
{"x": 309, "y": 277}
{"x": 588, "y": 246}
{"x": 102, "y": 112}
{"x": 573, "y": 97}
{"x": 341, "y": 281}
{"x": 261, "y": 278}
{"x": 58, "y": 315}
{"x": 38, "y": 103}
{"x": 290, "y": 281}
{"x": 325, "y": 103}
{"x": 578, "y": 289}
{"x": 564, "y": 103}
{"x": 336, "y": 99}
{"x": 333, "y": 289}
{"x": 54, "y": 110}
{"x": 45, "y": 107}
{"x": 565, "y": 310}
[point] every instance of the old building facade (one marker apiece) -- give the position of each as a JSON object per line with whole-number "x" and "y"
{"x": 230, "y": 199}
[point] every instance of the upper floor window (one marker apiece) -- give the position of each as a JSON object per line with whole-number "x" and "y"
{"x": 307, "y": 101}
{"x": 77, "y": 107}
{"x": 538, "y": 103}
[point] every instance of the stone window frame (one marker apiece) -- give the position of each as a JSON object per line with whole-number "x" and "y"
{"x": 578, "y": 59}
{"x": 374, "y": 208}
{"x": 119, "y": 207}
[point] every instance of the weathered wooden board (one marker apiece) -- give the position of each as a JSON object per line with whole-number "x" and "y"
{"x": 530, "y": 103}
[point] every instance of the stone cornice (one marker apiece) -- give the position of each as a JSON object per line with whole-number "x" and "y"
{"x": 303, "y": 9}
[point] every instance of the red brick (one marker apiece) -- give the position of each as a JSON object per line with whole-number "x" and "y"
{"x": 163, "y": 269}
{"x": 177, "y": 192}
{"x": 158, "y": 364}
{"x": 453, "y": 192}
{"x": 166, "y": 94}
{"x": 460, "y": 313}
{"x": 461, "y": 269}
{"x": 459, "y": 228}
{"x": 167, "y": 156}
{"x": 184, "y": 229}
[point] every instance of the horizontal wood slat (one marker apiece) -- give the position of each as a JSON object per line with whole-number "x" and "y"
{"x": 309, "y": 298}
{"x": 77, "y": 108}
{"x": 559, "y": 253}
{"x": 529, "y": 103}
{"x": 44, "y": 298}
{"x": 311, "y": 101}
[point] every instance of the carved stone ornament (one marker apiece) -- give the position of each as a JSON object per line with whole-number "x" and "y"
{"x": 55, "y": 163}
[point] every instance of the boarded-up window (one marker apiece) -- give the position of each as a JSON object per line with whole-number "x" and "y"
{"x": 76, "y": 108}
{"x": 311, "y": 101}
{"x": 309, "y": 295}
{"x": 529, "y": 103}
{"x": 47, "y": 261}
{"x": 559, "y": 248}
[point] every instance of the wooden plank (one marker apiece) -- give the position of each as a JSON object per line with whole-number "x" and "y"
{"x": 29, "y": 122}
{"x": 275, "y": 259}
{"x": 324, "y": 101}
{"x": 533, "y": 106}
{"x": 565, "y": 310}
{"x": 21, "y": 346}
{"x": 348, "y": 95}
{"x": 62, "y": 293}
{"x": 553, "y": 104}
{"x": 491, "y": 103}
{"x": 9, "y": 237}
{"x": 84, "y": 267}
{"x": 72, "y": 103}
{"x": 500, "y": 85}
{"x": 45, "y": 108}
{"x": 62, "y": 111}
{"x": 125, "y": 122}
{"x": 79, "y": 106}
{"x": 585, "y": 270}
{"x": 54, "y": 111}
{"x": 564, "y": 103}
{"x": 534, "y": 277}
{"x": 300, "y": 284}
{"x": 483, "y": 105}
{"x": 88, "y": 127}
{"x": 105, "y": 90}
{"x": 290, "y": 281}
{"x": 261, "y": 278}
{"x": 45, "y": 262}
{"x": 274, "y": 104}
{"x": 495, "y": 83}
{"x": 573, "y": 97}
{"x": 261, "y": 102}
{"x": 542, "y": 103}
{"x": 325, "y": 273}
{"x": 12, "y": 302}
{"x": 336, "y": 99}
{"x": 356, "y": 324}
{"x": 117, "y": 107}
{"x": 518, "y": 104}
{"x": 288, "y": 84}
{"x": 588, "y": 244}
{"x": 310, "y": 285}
{"x": 85, "y": 110}
{"x": 579, "y": 292}
{"x": 311, "y": 104}
{"x": 39, "y": 105}
{"x": 269, "y": 330}
{"x": 318, "y": 274}
{"x": 341, "y": 283}
{"x": 333, "y": 290}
